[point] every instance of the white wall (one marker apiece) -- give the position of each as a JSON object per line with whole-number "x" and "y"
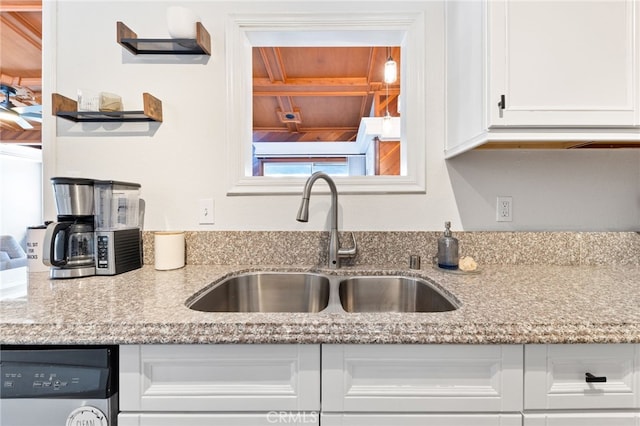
{"x": 20, "y": 190}
{"x": 184, "y": 158}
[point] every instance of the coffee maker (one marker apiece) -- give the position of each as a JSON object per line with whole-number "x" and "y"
{"x": 68, "y": 246}
{"x": 98, "y": 231}
{"x": 119, "y": 215}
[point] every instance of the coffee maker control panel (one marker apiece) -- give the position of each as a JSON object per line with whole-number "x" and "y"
{"x": 102, "y": 254}
{"x": 118, "y": 251}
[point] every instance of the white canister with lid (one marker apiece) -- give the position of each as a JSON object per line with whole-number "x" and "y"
{"x": 181, "y": 22}
{"x": 169, "y": 249}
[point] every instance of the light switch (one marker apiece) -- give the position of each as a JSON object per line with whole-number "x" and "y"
{"x": 206, "y": 211}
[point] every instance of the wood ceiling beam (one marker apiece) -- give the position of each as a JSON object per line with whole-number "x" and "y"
{"x": 33, "y": 136}
{"x": 272, "y": 60}
{"x": 367, "y": 102}
{"x": 20, "y": 81}
{"x": 311, "y": 93}
{"x": 382, "y": 100}
{"x": 348, "y": 86}
{"x": 371, "y": 64}
{"x": 20, "y": 5}
{"x": 313, "y": 82}
{"x": 23, "y": 28}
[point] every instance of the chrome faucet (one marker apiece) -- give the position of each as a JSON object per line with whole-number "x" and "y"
{"x": 335, "y": 252}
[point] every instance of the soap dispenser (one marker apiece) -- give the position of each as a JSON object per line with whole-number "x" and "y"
{"x": 448, "y": 249}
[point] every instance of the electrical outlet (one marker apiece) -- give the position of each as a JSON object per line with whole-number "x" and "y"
{"x": 504, "y": 209}
{"x": 206, "y": 211}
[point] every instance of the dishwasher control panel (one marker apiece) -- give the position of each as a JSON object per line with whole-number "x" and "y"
{"x": 57, "y": 373}
{"x": 33, "y": 380}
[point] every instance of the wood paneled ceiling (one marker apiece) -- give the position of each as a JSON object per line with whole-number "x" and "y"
{"x": 21, "y": 61}
{"x": 319, "y": 94}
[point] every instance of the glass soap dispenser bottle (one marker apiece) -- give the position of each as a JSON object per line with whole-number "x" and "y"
{"x": 448, "y": 249}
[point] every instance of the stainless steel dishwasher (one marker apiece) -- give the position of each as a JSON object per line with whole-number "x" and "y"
{"x": 58, "y": 385}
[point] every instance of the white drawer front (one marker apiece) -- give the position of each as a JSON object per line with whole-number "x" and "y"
{"x": 555, "y": 376}
{"x": 421, "y": 419}
{"x": 226, "y": 419}
{"x": 421, "y": 378}
{"x": 583, "y": 419}
{"x": 220, "y": 378}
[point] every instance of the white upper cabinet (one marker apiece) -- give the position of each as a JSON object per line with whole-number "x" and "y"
{"x": 562, "y": 63}
{"x": 541, "y": 71}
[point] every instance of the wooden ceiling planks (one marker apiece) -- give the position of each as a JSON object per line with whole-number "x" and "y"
{"x": 21, "y": 60}
{"x": 328, "y": 89}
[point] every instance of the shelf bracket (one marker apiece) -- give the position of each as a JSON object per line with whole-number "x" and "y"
{"x": 62, "y": 103}
{"x": 152, "y": 107}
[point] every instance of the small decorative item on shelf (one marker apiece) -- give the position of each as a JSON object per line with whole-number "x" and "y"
{"x": 181, "y": 22}
{"x": 110, "y": 102}
{"x": 88, "y": 100}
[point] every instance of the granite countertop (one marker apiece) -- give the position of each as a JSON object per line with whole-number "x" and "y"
{"x": 502, "y": 304}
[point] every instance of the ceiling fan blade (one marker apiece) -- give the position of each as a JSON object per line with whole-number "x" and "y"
{"x": 12, "y": 117}
{"x": 30, "y": 112}
{"x": 24, "y": 123}
{"x": 9, "y": 113}
{"x": 28, "y": 109}
{"x": 32, "y": 117}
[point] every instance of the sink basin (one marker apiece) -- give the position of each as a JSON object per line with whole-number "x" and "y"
{"x": 391, "y": 294}
{"x": 266, "y": 292}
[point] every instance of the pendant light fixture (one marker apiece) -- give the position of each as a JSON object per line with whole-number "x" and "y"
{"x": 390, "y": 69}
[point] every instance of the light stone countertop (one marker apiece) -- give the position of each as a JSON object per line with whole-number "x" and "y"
{"x": 502, "y": 304}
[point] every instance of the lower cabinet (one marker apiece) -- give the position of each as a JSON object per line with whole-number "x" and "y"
{"x": 162, "y": 385}
{"x": 586, "y": 384}
{"x": 218, "y": 419}
{"x": 380, "y": 385}
{"x": 394, "y": 385}
{"x": 422, "y": 378}
{"x": 398, "y": 419}
{"x": 604, "y": 418}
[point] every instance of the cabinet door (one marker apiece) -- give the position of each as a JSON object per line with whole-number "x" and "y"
{"x": 563, "y": 63}
{"x": 225, "y": 419}
{"x": 555, "y": 377}
{"x": 583, "y": 419}
{"x": 421, "y": 378}
{"x": 212, "y": 378}
{"x": 421, "y": 419}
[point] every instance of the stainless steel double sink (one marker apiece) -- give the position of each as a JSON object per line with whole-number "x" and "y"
{"x": 315, "y": 292}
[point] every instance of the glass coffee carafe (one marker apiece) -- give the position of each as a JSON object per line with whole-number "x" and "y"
{"x": 69, "y": 243}
{"x": 73, "y": 245}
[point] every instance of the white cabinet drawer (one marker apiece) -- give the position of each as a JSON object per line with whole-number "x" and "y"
{"x": 555, "y": 376}
{"x": 220, "y": 378}
{"x": 421, "y": 378}
{"x": 223, "y": 419}
{"x": 583, "y": 419}
{"x": 363, "y": 419}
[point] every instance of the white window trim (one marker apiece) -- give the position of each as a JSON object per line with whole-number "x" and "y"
{"x": 383, "y": 27}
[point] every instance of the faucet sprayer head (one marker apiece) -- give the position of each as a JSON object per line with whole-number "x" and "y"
{"x": 303, "y": 211}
